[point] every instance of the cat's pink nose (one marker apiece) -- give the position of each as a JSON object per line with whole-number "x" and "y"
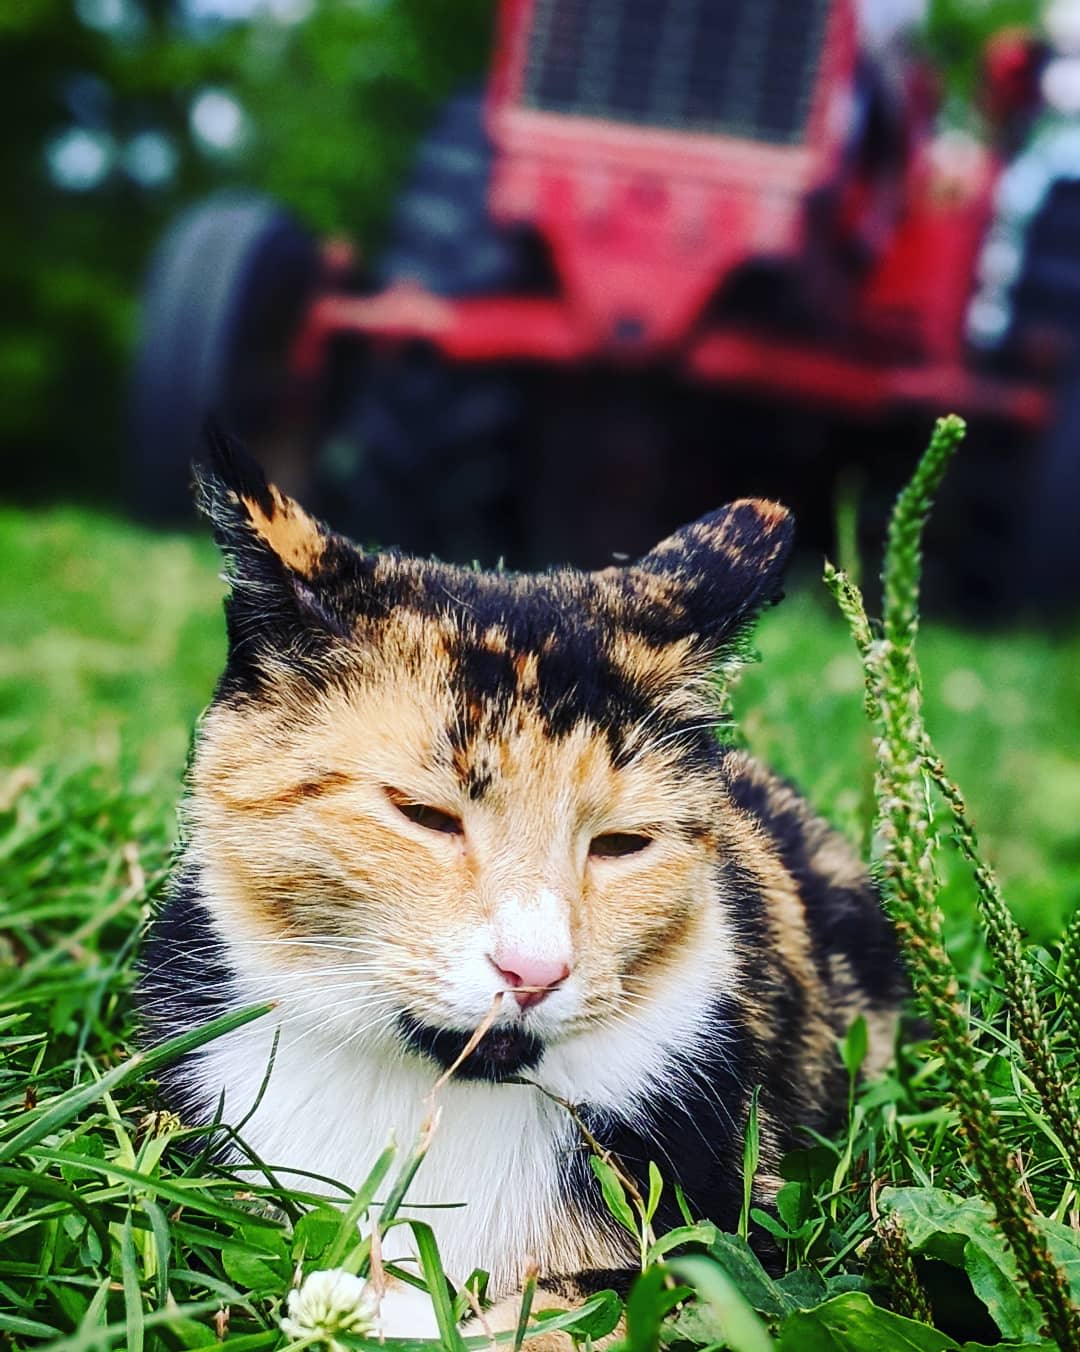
{"x": 532, "y": 979}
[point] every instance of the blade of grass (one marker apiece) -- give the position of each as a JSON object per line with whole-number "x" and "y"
{"x": 365, "y": 1195}
{"x": 49, "y": 1117}
{"x": 104, "y": 1335}
{"x": 528, "y": 1291}
{"x": 435, "y": 1279}
{"x": 133, "y": 1306}
{"x": 189, "y": 1193}
{"x": 50, "y": 1187}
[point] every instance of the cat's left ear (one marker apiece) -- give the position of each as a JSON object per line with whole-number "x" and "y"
{"x": 284, "y": 567}
{"x": 717, "y": 573}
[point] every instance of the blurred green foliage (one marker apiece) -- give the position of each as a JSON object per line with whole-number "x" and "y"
{"x": 335, "y": 94}
{"x": 333, "y": 101}
{"x": 956, "y": 30}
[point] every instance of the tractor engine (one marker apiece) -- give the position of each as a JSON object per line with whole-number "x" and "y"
{"x": 659, "y": 148}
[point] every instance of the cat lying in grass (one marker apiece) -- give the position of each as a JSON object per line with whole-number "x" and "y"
{"x": 422, "y": 787}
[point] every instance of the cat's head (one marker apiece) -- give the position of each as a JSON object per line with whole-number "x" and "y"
{"x": 421, "y": 785}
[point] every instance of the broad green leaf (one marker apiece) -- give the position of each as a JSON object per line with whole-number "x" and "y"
{"x": 812, "y": 1167}
{"x": 595, "y": 1318}
{"x": 804, "y": 1288}
{"x": 695, "y": 1323}
{"x": 313, "y": 1235}
{"x": 853, "y": 1047}
{"x": 771, "y": 1224}
{"x": 614, "y": 1195}
{"x": 702, "y": 1233}
{"x": 959, "y": 1231}
{"x": 645, "y": 1310}
{"x": 656, "y": 1188}
{"x": 791, "y": 1204}
{"x": 744, "y": 1268}
{"x": 740, "y": 1327}
{"x": 258, "y": 1259}
{"x": 1064, "y": 1245}
{"x": 853, "y": 1323}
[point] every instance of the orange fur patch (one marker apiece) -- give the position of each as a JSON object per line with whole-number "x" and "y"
{"x": 293, "y": 535}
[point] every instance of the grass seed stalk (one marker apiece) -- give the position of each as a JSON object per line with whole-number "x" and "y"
{"x": 905, "y": 771}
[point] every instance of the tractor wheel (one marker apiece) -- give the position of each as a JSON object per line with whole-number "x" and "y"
{"x": 224, "y": 298}
{"x": 1009, "y": 505}
{"x": 433, "y": 471}
{"x": 1051, "y": 542}
{"x": 1047, "y": 305}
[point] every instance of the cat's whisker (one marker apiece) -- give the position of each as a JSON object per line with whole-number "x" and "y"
{"x": 307, "y": 1030}
{"x": 339, "y": 969}
{"x": 357, "y": 944}
{"x": 691, "y": 731}
{"x": 354, "y": 1036}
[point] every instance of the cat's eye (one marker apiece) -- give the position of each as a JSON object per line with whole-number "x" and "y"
{"x": 614, "y": 844}
{"x": 422, "y": 814}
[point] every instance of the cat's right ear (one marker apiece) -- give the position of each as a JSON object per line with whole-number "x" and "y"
{"x": 284, "y": 568}
{"x": 709, "y": 580}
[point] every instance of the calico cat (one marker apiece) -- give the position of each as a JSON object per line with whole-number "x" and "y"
{"x": 421, "y": 785}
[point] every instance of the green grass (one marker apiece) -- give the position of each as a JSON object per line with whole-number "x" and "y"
{"x": 112, "y": 641}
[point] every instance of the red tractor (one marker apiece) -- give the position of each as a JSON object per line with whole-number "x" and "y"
{"x": 675, "y": 245}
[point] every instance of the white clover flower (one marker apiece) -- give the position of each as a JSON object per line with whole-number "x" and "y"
{"x": 328, "y": 1302}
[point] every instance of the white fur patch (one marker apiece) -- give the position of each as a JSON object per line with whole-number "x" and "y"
{"x": 496, "y": 1162}
{"x": 536, "y": 926}
{"x": 405, "y": 1312}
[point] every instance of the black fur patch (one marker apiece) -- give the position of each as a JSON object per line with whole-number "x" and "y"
{"x": 230, "y": 462}
{"x": 582, "y": 1285}
{"x": 503, "y": 1052}
{"x": 576, "y": 683}
{"x": 729, "y": 565}
{"x": 845, "y": 920}
{"x": 184, "y": 980}
{"x": 691, "y": 1126}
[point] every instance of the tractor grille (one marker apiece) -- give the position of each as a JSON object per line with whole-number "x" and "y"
{"x": 741, "y": 67}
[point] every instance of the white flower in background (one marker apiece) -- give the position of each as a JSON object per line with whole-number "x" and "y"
{"x": 329, "y": 1302}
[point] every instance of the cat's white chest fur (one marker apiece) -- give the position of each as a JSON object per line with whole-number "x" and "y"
{"x": 494, "y": 1163}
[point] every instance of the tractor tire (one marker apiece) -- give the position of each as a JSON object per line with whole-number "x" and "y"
{"x": 433, "y": 471}
{"x": 1012, "y": 498}
{"x": 1051, "y": 541}
{"x": 225, "y": 295}
{"x": 1047, "y": 302}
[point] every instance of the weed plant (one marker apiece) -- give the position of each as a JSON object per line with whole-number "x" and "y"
{"x": 944, "y": 1215}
